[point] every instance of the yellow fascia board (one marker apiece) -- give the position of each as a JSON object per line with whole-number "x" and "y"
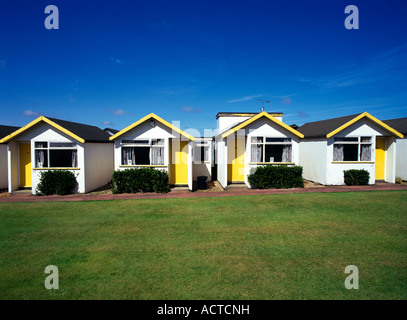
{"x": 262, "y": 114}
{"x": 34, "y": 122}
{"x": 155, "y": 117}
{"x": 369, "y": 116}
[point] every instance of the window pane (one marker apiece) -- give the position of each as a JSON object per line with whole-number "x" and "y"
{"x": 366, "y": 139}
{"x": 41, "y": 158}
{"x": 157, "y": 156}
{"x": 62, "y": 158}
{"x": 350, "y": 152}
{"x": 142, "y": 155}
{"x": 365, "y": 152}
{"x": 61, "y": 145}
{"x": 273, "y": 153}
{"x": 257, "y": 153}
{"x": 41, "y": 145}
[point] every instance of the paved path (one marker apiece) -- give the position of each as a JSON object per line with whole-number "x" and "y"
{"x": 188, "y": 194}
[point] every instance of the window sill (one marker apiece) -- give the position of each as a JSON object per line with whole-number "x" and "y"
{"x": 142, "y": 165}
{"x": 352, "y": 162}
{"x": 57, "y": 168}
{"x": 271, "y": 163}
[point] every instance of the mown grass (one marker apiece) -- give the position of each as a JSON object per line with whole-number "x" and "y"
{"x": 293, "y": 246}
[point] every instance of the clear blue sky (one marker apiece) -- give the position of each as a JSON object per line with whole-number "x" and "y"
{"x": 112, "y": 62}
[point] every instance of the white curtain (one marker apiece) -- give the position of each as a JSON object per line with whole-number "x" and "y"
{"x": 257, "y": 153}
{"x": 157, "y": 154}
{"x": 128, "y": 156}
{"x": 74, "y": 159}
{"x": 366, "y": 152}
{"x": 338, "y": 152}
{"x": 39, "y": 158}
{"x": 286, "y": 153}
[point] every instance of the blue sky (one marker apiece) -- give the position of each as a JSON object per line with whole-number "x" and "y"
{"x": 113, "y": 62}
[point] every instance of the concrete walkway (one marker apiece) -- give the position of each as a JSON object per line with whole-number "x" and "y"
{"x": 187, "y": 194}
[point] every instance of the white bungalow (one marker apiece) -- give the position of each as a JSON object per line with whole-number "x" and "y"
{"x": 352, "y": 142}
{"x": 155, "y": 143}
{"x": 4, "y": 131}
{"x": 47, "y": 144}
{"x": 400, "y": 125}
{"x": 248, "y": 140}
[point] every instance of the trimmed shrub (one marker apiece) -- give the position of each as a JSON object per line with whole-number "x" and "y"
{"x": 59, "y": 182}
{"x": 279, "y": 177}
{"x": 140, "y": 180}
{"x": 356, "y": 177}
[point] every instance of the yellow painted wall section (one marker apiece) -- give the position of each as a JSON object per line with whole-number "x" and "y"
{"x": 25, "y": 165}
{"x": 236, "y": 163}
{"x": 179, "y": 162}
{"x": 380, "y": 158}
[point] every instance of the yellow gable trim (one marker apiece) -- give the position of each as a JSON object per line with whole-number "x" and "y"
{"x": 33, "y": 123}
{"x": 262, "y": 114}
{"x": 369, "y": 116}
{"x": 155, "y": 117}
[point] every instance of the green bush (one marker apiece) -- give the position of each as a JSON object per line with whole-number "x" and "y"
{"x": 140, "y": 180}
{"x": 59, "y": 182}
{"x": 355, "y": 177}
{"x": 279, "y": 177}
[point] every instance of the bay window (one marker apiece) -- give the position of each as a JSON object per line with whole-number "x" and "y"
{"x": 269, "y": 150}
{"x": 143, "y": 152}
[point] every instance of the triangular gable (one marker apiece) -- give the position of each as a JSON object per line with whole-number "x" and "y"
{"x": 155, "y": 117}
{"x": 36, "y": 121}
{"x": 258, "y": 116}
{"x": 369, "y": 116}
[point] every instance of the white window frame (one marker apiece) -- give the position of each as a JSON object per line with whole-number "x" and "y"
{"x": 202, "y": 144}
{"x": 49, "y": 148}
{"x": 264, "y": 143}
{"x": 359, "y": 143}
{"x": 137, "y": 143}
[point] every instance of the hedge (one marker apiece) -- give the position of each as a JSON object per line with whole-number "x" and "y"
{"x": 279, "y": 177}
{"x": 59, "y": 182}
{"x": 140, "y": 180}
{"x": 355, "y": 177}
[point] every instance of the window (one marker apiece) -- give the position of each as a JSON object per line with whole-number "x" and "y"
{"x": 143, "y": 152}
{"x": 353, "y": 149}
{"x": 201, "y": 151}
{"x": 56, "y": 155}
{"x": 269, "y": 150}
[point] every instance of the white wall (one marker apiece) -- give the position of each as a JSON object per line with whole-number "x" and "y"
{"x": 401, "y": 158}
{"x": 221, "y": 160}
{"x": 313, "y": 159}
{"x": 3, "y": 167}
{"x": 98, "y": 165}
{"x": 227, "y": 122}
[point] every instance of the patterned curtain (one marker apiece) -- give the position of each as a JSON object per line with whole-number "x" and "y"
{"x": 338, "y": 152}
{"x": 257, "y": 153}
{"x": 286, "y": 153}
{"x": 366, "y": 152}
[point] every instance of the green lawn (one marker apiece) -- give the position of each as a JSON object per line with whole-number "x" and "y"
{"x": 292, "y": 246}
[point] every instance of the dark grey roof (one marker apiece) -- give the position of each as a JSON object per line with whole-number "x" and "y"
{"x": 6, "y": 130}
{"x": 319, "y": 129}
{"x": 399, "y": 124}
{"x": 87, "y": 132}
